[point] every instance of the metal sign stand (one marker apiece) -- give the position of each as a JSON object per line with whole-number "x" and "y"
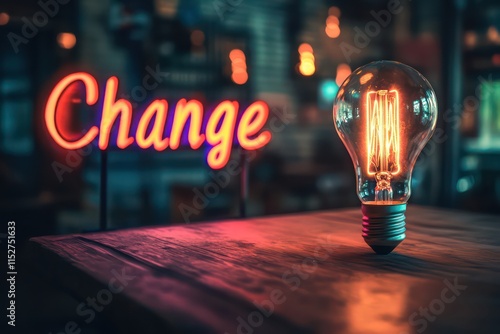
{"x": 103, "y": 195}
{"x": 243, "y": 183}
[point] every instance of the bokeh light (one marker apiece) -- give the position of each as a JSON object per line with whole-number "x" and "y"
{"x": 329, "y": 90}
{"x": 197, "y": 37}
{"x": 343, "y": 71}
{"x": 470, "y": 39}
{"x": 306, "y": 65}
{"x": 4, "y": 19}
{"x": 66, "y": 40}
{"x": 332, "y": 28}
{"x": 239, "y": 73}
{"x": 332, "y": 32}
{"x": 495, "y": 59}
{"x": 493, "y": 35}
{"x": 305, "y": 47}
{"x": 334, "y": 11}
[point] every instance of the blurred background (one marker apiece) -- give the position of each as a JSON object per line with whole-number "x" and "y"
{"x": 292, "y": 54}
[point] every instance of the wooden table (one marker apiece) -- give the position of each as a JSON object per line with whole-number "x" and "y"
{"x": 302, "y": 273}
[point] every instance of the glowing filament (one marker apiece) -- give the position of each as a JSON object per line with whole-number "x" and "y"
{"x": 382, "y": 132}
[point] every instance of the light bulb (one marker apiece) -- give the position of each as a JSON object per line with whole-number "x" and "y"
{"x": 384, "y": 112}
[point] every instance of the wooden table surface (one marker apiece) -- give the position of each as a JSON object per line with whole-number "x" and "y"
{"x": 301, "y": 273}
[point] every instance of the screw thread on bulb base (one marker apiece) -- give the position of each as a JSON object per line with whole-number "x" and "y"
{"x": 384, "y": 226}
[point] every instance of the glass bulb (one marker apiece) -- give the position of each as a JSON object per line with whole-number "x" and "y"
{"x": 384, "y": 112}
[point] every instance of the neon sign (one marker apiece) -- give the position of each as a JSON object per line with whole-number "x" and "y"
{"x": 219, "y": 131}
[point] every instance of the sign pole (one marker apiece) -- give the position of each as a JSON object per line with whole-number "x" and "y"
{"x": 243, "y": 183}
{"x": 103, "y": 196}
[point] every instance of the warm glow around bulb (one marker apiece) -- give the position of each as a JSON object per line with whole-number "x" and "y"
{"x": 382, "y": 132}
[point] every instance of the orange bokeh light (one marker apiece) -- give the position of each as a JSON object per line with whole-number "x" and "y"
{"x": 493, "y": 35}
{"x": 306, "y": 56}
{"x": 306, "y": 65}
{"x": 343, "y": 71}
{"x": 305, "y": 47}
{"x": 334, "y": 11}
{"x": 236, "y": 54}
{"x": 332, "y": 21}
{"x": 470, "y": 39}
{"x": 495, "y": 59}
{"x": 333, "y": 31}
{"x": 238, "y": 67}
{"x": 307, "y": 68}
{"x": 332, "y": 28}
{"x": 66, "y": 40}
{"x": 239, "y": 78}
{"x": 4, "y": 19}
{"x": 197, "y": 37}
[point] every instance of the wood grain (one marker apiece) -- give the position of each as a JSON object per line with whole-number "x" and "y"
{"x": 313, "y": 271}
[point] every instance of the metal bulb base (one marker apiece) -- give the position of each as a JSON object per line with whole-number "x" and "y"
{"x": 384, "y": 226}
